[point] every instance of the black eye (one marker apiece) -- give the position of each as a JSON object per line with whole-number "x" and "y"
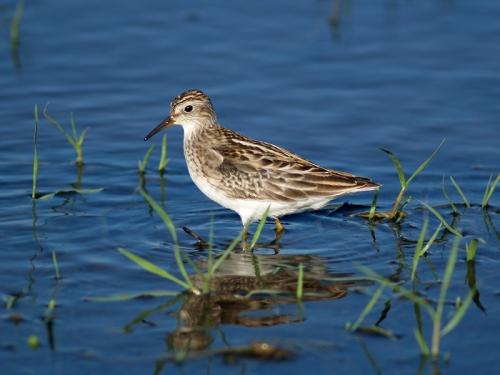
{"x": 188, "y": 108}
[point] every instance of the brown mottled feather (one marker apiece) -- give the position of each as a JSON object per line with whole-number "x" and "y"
{"x": 245, "y": 168}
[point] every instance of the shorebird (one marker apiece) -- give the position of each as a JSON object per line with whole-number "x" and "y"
{"x": 250, "y": 176}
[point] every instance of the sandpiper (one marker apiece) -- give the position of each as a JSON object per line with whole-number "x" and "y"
{"x": 249, "y": 176}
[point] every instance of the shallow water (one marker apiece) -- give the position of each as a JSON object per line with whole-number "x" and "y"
{"x": 395, "y": 74}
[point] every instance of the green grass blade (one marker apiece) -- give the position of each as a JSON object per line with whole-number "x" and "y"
{"x": 73, "y": 127}
{"x": 226, "y": 253}
{"x": 424, "y": 349}
{"x": 397, "y": 164}
{"x": 369, "y": 307}
{"x": 300, "y": 282}
{"x": 171, "y": 228}
{"x": 15, "y": 24}
{"x": 459, "y": 314}
{"x": 373, "y": 206}
{"x": 162, "y": 213}
{"x": 144, "y": 162}
{"x": 35, "y": 154}
{"x": 471, "y": 249}
{"x": 163, "y": 158}
{"x": 450, "y": 266}
{"x": 441, "y": 219}
{"x": 398, "y": 289}
{"x": 445, "y": 193}
{"x": 56, "y": 265}
{"x": 129, "y": 296}
{"x": 424, "y": 164}
{"x": 460, "y": 191}
{"x": 258, "y": 232}
{"x": 418, "y": 248}
{"x": 81, "y": 138}
{"x": 51, "y": 120}
{"x": 150, "y": 267}
{"x": 429, "y": 243}
{"x": 65, "y": 191}
{"x": 490, "y": 189}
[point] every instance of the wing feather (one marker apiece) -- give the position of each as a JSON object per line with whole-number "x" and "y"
{"x": 262, "y": 171}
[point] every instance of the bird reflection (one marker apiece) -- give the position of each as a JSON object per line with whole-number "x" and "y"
{"x": 252, "y": 290}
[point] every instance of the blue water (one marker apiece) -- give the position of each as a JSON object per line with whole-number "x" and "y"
{"x": 395, "y": 74}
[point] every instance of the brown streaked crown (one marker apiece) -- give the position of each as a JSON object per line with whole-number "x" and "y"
{"x": 190, "y": 95}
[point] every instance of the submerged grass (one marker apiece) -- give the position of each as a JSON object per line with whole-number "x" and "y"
{"x": 74, "y": 138}
{"x": 35, "y": 154}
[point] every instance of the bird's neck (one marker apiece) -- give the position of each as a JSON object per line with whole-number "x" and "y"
{"x": 194, "y": 130}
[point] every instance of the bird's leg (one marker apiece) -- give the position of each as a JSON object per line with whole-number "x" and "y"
{"x": 279, "y": 229}
{"x": 244, "y": 236}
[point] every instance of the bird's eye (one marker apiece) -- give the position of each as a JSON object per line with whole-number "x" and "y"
{"x": 188, "y": 108}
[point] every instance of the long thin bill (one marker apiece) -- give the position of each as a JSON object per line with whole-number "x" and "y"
{"x": 169, "y": 121}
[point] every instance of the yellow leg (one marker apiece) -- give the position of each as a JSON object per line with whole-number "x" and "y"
{"x": 279, "y": 229}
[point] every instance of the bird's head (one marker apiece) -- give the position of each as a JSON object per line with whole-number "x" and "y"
{"x": 192, "y": 108}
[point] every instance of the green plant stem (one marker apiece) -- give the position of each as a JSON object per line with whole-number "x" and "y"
{"x": 418, "y": 249}
{"x": 369, "y": 306}
{"x": 460, "y": 191}
{"x": 74, "y": 139}
{"x": 490, "y": 189}
{"x": 163, "y": 158}
{"x": 144, "y": 162}
{"x": 441, "y": 219}
{"x": 438, "y": 316}
{"x": 258, "y": 232}
{"x": 373, "y": 207}
{"x": 395, "y": 210}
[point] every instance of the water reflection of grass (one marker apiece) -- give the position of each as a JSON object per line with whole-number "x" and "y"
{"x": 15, "y": 34}
{"x": 35, "y": 154}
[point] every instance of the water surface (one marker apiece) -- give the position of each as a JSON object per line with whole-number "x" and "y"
{"x": 395, "y": 74}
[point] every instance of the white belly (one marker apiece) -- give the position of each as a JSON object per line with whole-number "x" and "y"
{"x": 251, "y": 210}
